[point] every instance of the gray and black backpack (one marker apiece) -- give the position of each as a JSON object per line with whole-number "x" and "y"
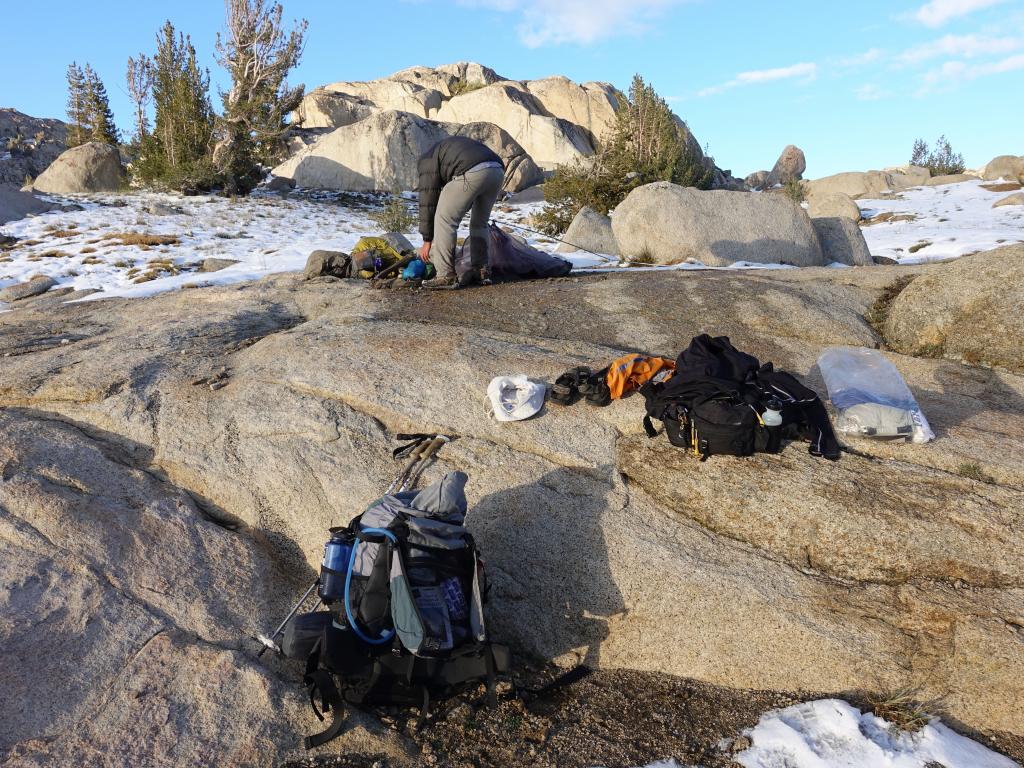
{"x": 404, "y": 591}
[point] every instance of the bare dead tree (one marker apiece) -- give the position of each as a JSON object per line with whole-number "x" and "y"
{"x": 258, "y": 55}
{"x": 140, "y": 90}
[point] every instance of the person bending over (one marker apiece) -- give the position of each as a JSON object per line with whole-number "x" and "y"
{"x": 456, "y": 175}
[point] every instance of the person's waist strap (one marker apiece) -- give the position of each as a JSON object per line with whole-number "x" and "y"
{"x": 484, "y": 165}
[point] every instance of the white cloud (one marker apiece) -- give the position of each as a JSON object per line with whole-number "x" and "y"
{"x": 935, "y": 13}
{"x": 554, "y": 22}
{"x": 860, "y": 59}
{"x": 869, "y": 92}
{"x": 964, "y": 46}
{"x": 957, "y": 72}
{"x": 806, "y": 71}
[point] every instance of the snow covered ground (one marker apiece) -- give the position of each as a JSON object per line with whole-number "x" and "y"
{"x": 830, "y": 733}
{"x": 266, "y": 234}
{"x": 947, "y": 221}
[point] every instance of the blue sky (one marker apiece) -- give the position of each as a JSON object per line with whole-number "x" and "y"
{"x": 851, "y": 83}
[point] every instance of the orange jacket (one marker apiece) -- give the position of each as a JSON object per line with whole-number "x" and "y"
{"x": 631, "y": 372}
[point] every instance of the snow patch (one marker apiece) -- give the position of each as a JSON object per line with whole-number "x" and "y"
{"x": 949, "y": 221}
{"x": 832, "y": 734}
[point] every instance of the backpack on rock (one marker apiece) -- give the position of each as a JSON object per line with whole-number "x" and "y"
{"x": 721, "y": 401}
{"x": 404, "y": 589}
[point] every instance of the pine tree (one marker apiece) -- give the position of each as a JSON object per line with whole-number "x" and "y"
{"x": 648, "y": 143}
{"x": 919, "y": 154}
{"x": 177, "y": 152}
{"x": 258, "y": 55}
{"x": 78, "y": 127}
{"x": 139, "y": 79}
{"x": 97, "y": 106}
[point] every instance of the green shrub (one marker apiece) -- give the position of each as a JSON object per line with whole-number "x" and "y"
{"x": 648, "y": 143}
{"x": 395, "y": 216}
{"x": 942, "y": 161}
{"x": 794, "y": 190}
{"x": 460, "y": 87}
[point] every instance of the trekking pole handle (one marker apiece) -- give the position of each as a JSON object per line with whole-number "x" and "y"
{"x": 414, "y": 456}
{"x": 428, "y": 452}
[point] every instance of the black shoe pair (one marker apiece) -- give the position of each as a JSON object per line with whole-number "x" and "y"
{"x": 581, "y": 382}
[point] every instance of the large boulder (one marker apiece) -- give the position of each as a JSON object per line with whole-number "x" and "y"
{"x": 670, "y": 224}
{"x": 757, "y": 180}
{"x": 550, "y": 141}
{"x": 449, "y": 79}
{"x": 15, "y": 204}
{"x": 951, "y": 178}
{"x": 1017, "y": 198}
{"x": 871, "y": 184}
{"x": 39, "y": 141}
{"x": 321, "y": 108}
{"x": 789, "y": 167}
{"x": 969, "y": 309}
{"x": 842, "y": 241}
{"x": 590, "y": 231}
{"x": 378, "y": 153}
{"x": 887, "y": 569}
{"x": 1009, "y": 167}
{"x": 387, "y": 94}
{"x": 833, "y": 204}
{"x": 591, "y": 106}
{"x": 91, "y": 167}
{"x": 381, "y": 152}
{"x": 909, "y": 175}
{"x": 27, "y": 289}
{"x": 520, "y": 170}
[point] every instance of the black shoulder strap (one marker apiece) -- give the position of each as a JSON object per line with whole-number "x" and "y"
{"x": 319, "y": 680}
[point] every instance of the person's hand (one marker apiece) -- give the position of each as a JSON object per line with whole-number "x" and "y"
{"x": 425, "y": 253}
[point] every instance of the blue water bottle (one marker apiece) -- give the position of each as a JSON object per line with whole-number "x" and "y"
{"x": 337, "y": 553}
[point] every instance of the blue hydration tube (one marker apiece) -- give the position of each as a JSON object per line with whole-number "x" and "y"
{"x": 389, "y": 633}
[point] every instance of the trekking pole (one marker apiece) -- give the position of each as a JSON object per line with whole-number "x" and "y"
{"x": 608, "y": 259}
{"x": 397, "y": 265}
{"x": 428, "y": 453}
{"x": 414, "y": 456}
{"x": 268, "y": 642}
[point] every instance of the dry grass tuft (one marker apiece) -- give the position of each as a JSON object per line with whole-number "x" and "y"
{"x": 973, "y": 471}
{"x": 88, "y": 249}
{"x": 644, "y": 258}
{"x": 53, "y": 254}
{"x": 92, "y": 260}
{"x": 905, "y": 708}
{"x": 141, "y": 239}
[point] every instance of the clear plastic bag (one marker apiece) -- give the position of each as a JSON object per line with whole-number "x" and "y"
{"x": 870, "y": 395}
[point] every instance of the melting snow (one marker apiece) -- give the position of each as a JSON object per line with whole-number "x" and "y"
{"x": 948, "y": 221}
{"x": 266, "y": 234}
{"x": 832, "y": 734}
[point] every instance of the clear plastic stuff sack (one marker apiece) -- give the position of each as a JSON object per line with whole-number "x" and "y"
{"x": 870, "y": 395}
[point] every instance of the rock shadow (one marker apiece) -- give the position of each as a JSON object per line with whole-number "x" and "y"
{"x": 330, "y": 174}
{"x": 781, "y": 251}
{"x": 553, "y": 590}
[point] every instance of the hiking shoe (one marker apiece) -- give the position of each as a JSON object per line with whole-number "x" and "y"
{"x": 447, "y": 283}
